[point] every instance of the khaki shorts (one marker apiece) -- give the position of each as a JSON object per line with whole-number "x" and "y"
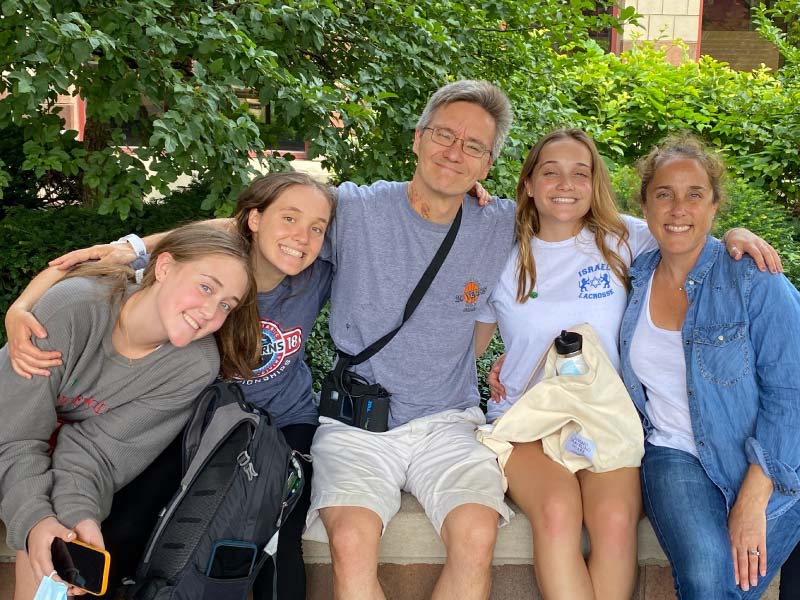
{"x": 436, "y": 458}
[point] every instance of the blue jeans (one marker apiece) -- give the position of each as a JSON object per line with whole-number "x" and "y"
{"x": 690, "y": 519}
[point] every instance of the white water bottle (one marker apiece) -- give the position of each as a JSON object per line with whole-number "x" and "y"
{"x": 570, "y": 359}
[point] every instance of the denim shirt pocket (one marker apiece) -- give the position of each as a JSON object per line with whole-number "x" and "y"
{"x": 722, "y": 353}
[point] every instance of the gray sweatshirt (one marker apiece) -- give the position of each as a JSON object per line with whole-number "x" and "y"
{"x": 112, "y": 416}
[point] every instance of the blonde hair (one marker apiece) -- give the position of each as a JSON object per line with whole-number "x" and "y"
{"x": 239, "y": 338}
{"x": 602, "y": 219}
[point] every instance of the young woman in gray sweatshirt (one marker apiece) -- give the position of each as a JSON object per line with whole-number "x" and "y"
{"x": 133, "y": 359}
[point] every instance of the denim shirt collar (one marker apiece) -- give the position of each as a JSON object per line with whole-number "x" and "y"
{"x": 643, "y": 268}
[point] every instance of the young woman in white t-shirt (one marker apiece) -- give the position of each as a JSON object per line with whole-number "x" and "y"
{"x": 570, "y": 266}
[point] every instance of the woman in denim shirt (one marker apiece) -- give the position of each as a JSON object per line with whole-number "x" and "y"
{"x": 711, "y": 365}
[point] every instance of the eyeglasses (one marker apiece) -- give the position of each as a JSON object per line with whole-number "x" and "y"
{"x": 445, "y": 137}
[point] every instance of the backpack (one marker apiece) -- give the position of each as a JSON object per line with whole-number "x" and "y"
{"x": 241, "y": 481}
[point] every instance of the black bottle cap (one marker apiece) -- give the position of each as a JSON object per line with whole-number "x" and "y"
{"x": 569, "y": 342}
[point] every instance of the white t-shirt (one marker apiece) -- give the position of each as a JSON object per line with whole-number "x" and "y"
{"x": 574, "y": 284}
{"x": 657, "y": 359}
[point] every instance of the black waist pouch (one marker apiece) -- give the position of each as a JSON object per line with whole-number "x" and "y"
{"x": 351, "y": 399}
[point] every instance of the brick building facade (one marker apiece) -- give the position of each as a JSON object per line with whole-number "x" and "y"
{"x": 722, "y": 29}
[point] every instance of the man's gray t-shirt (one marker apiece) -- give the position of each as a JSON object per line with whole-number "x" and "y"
{"x": 381, "y": 249}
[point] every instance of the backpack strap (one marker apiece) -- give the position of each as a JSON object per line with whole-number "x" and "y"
{"x": 194, "y": 429}
{"x": 205, "y": 405}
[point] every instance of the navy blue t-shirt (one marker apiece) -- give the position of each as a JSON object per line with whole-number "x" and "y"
{"x": 282, "y": 381}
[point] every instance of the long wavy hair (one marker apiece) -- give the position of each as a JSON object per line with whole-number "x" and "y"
{"x": 239, "y": 338}
{"x": 602, "y": 218}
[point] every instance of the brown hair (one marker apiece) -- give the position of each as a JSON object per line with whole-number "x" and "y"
{"x": 239, "y": 338}
{"x": 682, "y": 145}
{"x": 602, "y": 219}
{"x": 264, "y": 190}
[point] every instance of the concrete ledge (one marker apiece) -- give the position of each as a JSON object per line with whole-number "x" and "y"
{"x": 411, "y": 539}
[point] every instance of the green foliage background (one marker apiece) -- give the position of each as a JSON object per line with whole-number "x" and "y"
{"x": 351, "y": 77}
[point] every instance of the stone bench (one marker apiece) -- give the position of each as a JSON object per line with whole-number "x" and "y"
{"x": 410, "y": 538}
{"x": 412, "y": 554}
{"x": 411, "y": 557}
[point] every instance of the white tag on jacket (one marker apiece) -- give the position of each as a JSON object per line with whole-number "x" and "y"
{"x": 580, "y": 445}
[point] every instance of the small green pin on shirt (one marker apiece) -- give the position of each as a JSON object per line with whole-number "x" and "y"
{"x": 533, "y": 294}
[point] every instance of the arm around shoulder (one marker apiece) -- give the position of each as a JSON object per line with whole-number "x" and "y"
{"x": 26, "y": 359}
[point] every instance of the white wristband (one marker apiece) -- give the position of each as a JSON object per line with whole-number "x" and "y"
{"x": 136, "y": 243}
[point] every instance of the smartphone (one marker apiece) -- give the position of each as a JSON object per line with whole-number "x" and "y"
{"x": 231, "y": 559}
{"x": 81, "y": 565}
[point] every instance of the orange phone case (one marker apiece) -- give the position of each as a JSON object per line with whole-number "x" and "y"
{"x": 106, "y": 566}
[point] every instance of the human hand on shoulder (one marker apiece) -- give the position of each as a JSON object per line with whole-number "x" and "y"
{"x": 479, "y": 192}
{"x": 116, "y": 253}
{"x": 26, "y": 359}
{"x": 739, "y": 241}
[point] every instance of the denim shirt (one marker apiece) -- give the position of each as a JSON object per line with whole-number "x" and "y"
{"x": 741, "y": 343}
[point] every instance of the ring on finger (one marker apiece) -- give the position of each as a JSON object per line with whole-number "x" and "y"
{"x": 754, "y": 553}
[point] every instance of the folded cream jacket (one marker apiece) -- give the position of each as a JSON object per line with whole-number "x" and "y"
{"x": 585, "y": 422}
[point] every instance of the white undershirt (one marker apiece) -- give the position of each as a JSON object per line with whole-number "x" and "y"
{"x": 658, "y": 362}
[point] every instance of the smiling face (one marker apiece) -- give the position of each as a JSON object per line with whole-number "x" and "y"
{"x": 679, "y": 207}
{"x": 194, "y": 298}
{"x": 561, "y": 188}
{"x": 288, "y": 234}
{"x": 446, "y": 172}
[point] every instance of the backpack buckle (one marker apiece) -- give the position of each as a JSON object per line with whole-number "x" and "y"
{"x": 246, "y": 463}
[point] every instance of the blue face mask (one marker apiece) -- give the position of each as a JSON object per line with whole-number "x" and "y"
{"x": 51, "y": 590}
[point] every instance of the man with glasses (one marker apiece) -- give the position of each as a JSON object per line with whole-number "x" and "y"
{"x": 383, "y": 237}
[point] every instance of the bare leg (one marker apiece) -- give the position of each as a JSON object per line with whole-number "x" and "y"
{"x": 355, "y": 536}
{"x": 612, "y": 505}
{"x": 469, "y": 533}
{"x": 551, "y": 498}
{"x": 24, "y": 584}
